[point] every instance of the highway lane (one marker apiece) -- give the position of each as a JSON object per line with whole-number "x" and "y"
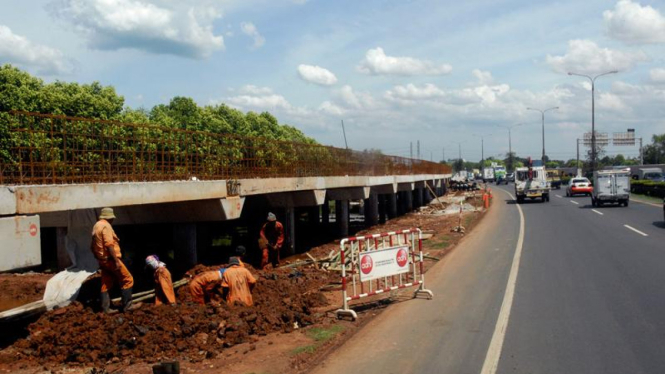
{"x": 590, "y": 297}
{"x": 451, "y": 333}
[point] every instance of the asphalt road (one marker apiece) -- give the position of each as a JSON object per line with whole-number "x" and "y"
{"x": 589, "y": 297}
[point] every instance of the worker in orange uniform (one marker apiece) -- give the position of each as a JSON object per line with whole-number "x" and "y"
{"x": 164, "y": 293}
{"x": 238, "y": 283}
{"x": 202, "y": 286}
{"x": 271, "y": 241}
{"x": 105, "y": 246}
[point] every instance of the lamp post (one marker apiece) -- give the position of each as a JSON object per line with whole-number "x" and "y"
{"x": 542, "y": 113}
{"x": 510, "y": 146}
{"x": 459, "y": 149}
{"x": 482, "y": 147}
{"x": 593, "y": 114}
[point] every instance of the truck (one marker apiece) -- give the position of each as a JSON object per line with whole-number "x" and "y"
{"x": 531, "y": 183}
{"x": 488, "y": 174}
{"x": 554, "y": 178}
{"x": 652, "y": 174}
{"x": 500, "y": 174}
{"x": 611, "y": 186}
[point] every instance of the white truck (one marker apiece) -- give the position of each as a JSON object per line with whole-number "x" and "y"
{"x": 611, "y": 186}
{"x": 488, "y": 174}
{"x": 531, "y": 183}
{"x": 652, "y": 174}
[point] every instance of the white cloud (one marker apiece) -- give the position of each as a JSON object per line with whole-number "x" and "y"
{"x": 355, "y": 100}
{"x": 255, "y": 90}
{"x": 167, "y": 28}
{"x": 607, "y": 100}
{"x": 585, "y": 57}
{"x": 271, "y": 101}
{"x": 411, "y": 93}
{"x": 484, "y": 77}
{"x": 316, "y": 74}
{"x": 376, "y": 62}
{"x": 19, "y": 50}
{"x": 332, "y": 109}
{"x": 635, "y": 24}
{"x": 657, "y": 75}
{"x": 250, "y": 30}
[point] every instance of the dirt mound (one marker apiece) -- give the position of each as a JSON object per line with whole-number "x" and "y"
{"x": 20, "y": 289}
{"x": 283, "y": 300}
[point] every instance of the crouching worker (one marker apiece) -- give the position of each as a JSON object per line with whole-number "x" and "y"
{"x": 238, "y": 283}
{"x": 164, "y": 293}
{"x": 202, "y": 286}
{"x": 105, "y": 246}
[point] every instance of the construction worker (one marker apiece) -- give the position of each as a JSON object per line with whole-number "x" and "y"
{"x": 271, "y": 241}
{"x": 164, "y": 293}
{"x": 202, "y": 286}
{"x": 105, "y": 246}
{"x": 238, "y": 283}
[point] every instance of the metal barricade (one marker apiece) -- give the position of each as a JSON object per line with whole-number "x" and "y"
{"x": 381, "y": 263}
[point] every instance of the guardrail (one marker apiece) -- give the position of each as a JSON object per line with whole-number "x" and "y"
{"x": 50, "y": 149}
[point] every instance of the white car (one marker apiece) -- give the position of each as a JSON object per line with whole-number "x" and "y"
{"x": 579, "y": 186}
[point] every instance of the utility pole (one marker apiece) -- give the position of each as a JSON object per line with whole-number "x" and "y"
{"x": 443, "y": 154}
{"x": 411, "y": 150}
{"x": 344, "y": 132}
{"x": 641, "y": 153}
{"x": 542, "y": 112}
{"x": 418, "y": 147}
{"x": 577, "y": 164}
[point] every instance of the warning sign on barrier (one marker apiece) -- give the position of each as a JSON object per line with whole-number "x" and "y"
{"x": 383, "y": 263}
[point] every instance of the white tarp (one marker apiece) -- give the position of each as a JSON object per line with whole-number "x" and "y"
{"x": 384, "y": 263}
{"x": 64, "y": 287}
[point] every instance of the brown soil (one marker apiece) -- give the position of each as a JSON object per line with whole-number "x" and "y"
{"x": 265, "y": 338}
{"x": 20, "y": 289}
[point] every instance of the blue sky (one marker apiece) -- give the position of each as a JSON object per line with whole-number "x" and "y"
{"x": 396, "y": 72}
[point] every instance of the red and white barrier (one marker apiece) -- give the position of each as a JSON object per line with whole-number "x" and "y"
{"x": 381, "y": 263}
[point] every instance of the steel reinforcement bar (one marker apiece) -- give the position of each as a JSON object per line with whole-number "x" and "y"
{"x": 51, "y": 149}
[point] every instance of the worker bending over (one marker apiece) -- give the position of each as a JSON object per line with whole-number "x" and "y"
{"x": 164, "y": 293}
{"x": 105, "y": 246}
{"x": 271, "y": 241}
{"x": 202, "y": 286}
{"x": 238, "y": 283}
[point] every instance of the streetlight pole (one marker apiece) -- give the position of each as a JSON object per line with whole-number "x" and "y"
{"x": 542, "y": 113}
{"x": 482, "y": 148}
{"x": 459, "y": 150}
{"x": 510, "y": 145}
{"x": 593, "y": 113}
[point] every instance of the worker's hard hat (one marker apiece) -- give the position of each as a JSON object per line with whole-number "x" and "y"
{"x": 234, "y": 261}
{"x": 107, "y": 213}
{"x": 272, "y": 217}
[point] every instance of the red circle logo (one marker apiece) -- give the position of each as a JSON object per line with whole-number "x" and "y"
{"x": 402, "y": 257}
{"x": 366, "y": 264}
{"x": 33, "y": 230}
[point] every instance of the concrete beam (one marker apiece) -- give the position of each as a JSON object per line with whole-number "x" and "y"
{"x": 407, "y": 186}
{"x": 7, "y": 201}
{"x": 353, "y": 193}
{"x": 296, "y": 198}
{"x": 52, "y": 198}
{"x": 21, "y": 245}
{"x": 385, "y": 188}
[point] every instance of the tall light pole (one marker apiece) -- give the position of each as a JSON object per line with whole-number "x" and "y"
{"x": 542, "y": 113}
{"x": 482, "y": 147}
{"x": 459, "y": 149}
{"x": 593, "y": 114}
{"x": 510, "y": 146}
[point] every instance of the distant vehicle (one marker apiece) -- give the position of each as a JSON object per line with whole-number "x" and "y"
{"x": 488, "y": 174}
{"x": 554, "y": 178}
{"x": 510, "y": 177}
{"x": 531, "y": 183}
{"x": 650, "y": 174}
{"x": 611, "y": 186}
{"x": 579, "y": 186}
{"x": 500, "y": 174}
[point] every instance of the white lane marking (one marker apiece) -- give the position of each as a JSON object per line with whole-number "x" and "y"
{"x": 491, "y": 363}
{"x": 647, "y": 203}
{"x": 595, "y": 211}
{"x": 636, "y": 230}
{"x": 575, "y": 202}
{"x": 559, "y": 196}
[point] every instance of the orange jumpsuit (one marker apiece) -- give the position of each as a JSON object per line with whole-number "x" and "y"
{"x": 239, "y": 281}
{"x": 164, "y": 293}
{"x": 201, "y": 286}
{"x": 103, "y": 237}
{"x": 275, "y": 237}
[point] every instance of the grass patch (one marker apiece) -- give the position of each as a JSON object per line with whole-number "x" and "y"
{"x": 441, "y": 243}
{"x": 650, "y": 199}
{"x": 320, "y": 335}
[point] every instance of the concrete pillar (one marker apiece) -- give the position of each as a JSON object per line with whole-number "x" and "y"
{"x": 184, "y": 243}
{"x": 325, "y": 212}
{"x": 64, "y": 261}
{"x": 289, "y": 231}
{"x": 383, "y": 211}
{"x": 406, "y": 198}
{"x": 443, "y": 187}
{"x": 342, "y": 217}
{"x": 392, "y": 205}
{"x": 372, "y": 209}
